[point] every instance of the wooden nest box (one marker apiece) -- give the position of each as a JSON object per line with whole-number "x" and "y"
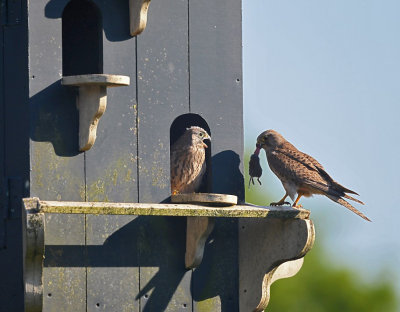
{"x": 84, "y": 168}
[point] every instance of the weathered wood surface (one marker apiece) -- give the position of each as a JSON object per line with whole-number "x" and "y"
{"x": 114, "y": 247}
{"x": 238, "y": 211}
{"x": 197, "y": 231}
{"x": 64, "y": 282}
{"x": 187, "y": 61}
{"x": 15, "y": 158}
{"x": 96, "y": 79}
{"x": 138, "y": 15}
{"x": 205, "y": 199}
{"x": 112, "y": 264}
{"x": 92, "y": 102}
{"x": 264, "y": 245}
{"x": 33, "y": 243}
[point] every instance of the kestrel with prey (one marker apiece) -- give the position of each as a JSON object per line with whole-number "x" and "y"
{"x": 188, "y": 160}
{"x": 300, "y": 173}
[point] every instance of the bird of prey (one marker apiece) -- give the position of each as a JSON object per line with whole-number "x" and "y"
{"x": 188, "y": 160}
{"x": 301, "y": 173}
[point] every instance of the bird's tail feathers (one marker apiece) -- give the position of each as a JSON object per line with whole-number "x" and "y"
{"x": 343, "y": 189}
{"x": 354, "y": 199}
{"x": 348, "y": 206}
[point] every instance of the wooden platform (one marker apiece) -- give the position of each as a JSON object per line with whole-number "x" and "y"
{"x": 181, "y": 210}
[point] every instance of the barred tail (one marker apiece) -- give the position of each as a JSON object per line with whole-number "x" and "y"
{"x": 348, "y": 206}
{"x": 354, "y": 199}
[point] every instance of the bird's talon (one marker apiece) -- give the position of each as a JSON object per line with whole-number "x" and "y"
{"x": 297, "y": 206}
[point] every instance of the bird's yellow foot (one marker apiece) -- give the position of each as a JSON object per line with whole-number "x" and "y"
{"x": 297, "y": 206}
{"x": 280, "y": 203}
{"x": 175, "y": 192}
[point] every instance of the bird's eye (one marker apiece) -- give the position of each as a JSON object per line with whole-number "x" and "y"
{"x": 201, "y": 134}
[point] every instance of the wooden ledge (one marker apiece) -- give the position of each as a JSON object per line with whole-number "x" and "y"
{"x": 92, "y": 102}
{"x": 272, "y": 240}
{"x": 179, "y": 210}
{"x": 96, "y": 79}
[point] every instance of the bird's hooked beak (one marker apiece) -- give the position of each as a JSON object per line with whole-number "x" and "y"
{"x": 258, "y": 148}
{"x": 207, "y": 137}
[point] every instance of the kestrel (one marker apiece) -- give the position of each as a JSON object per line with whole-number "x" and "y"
{"x": 300, "y": 173}
{"x": 188, "y": 163}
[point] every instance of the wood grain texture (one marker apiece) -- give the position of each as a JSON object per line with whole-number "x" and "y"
{"x": 33, "y": 242}
{"x": 238, "y": 211}
{"x": 111, "y": 163}
{"x": 64, "y": 284}
{"x": 265, "y": 244}
{"x": 197, "y": 231}
{"x": 96, "y": 79}
{"x": 205, "y": 199}
{"x": 92, "y": 102}
{"x": 138, "y": 15}
{"x": 112, "y": 268}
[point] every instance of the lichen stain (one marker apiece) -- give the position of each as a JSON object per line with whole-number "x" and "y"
{"x": 208, "y": 305}
{"x": 158, "y": 172}
{"x": 52, "y": 176}
{"x": 115, "y": 178}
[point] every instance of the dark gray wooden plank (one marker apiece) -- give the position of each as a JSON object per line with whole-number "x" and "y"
{"x": 2, "y": 145}
{"x": 216, "y": 95}
{"x": 15, "y": 111}
{"x": 57, "y": 167}
{"x": 164, "y": 281}
{"x": 113, "y": 271}
{"x": 64, "y": 272}
{"x": 216, "y": 87}
{"x": 215, "y": 281}
{"x": 163, "y": 92}
{"x": 111, "y": 164}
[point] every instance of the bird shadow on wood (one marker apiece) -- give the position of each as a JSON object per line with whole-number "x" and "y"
{"x": 217, "y": 277}
{"x": 154, "y": 244}
{"x": 227, "y": 177}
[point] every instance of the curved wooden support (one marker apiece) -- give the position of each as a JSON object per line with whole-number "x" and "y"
{"x": 138, "y": 15}
{"x": 197, "y": 231}
{"x": 92, "y": 102}
{"x": 33, "y": 255}
{"x": 268, "y": 250}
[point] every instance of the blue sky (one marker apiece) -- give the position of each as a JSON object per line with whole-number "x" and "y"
{"x": 325, "y": 74}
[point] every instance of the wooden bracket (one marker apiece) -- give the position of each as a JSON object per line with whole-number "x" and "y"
{"x": 33, "y": 254}
{"x": 92, "y": 102}
{"x": 199, "y": 228}
{"x": 197, "y": 231}
{"x": 269, "y": 249}
{"x": 138, "y": 15}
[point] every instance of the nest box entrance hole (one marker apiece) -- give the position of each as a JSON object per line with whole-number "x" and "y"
{"x": 178, "y": 127}
{"x": 82, "y": 38}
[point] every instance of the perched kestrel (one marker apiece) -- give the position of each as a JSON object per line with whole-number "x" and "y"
{"x": 300, "y": 173}
{"x": 188, "y": 163}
